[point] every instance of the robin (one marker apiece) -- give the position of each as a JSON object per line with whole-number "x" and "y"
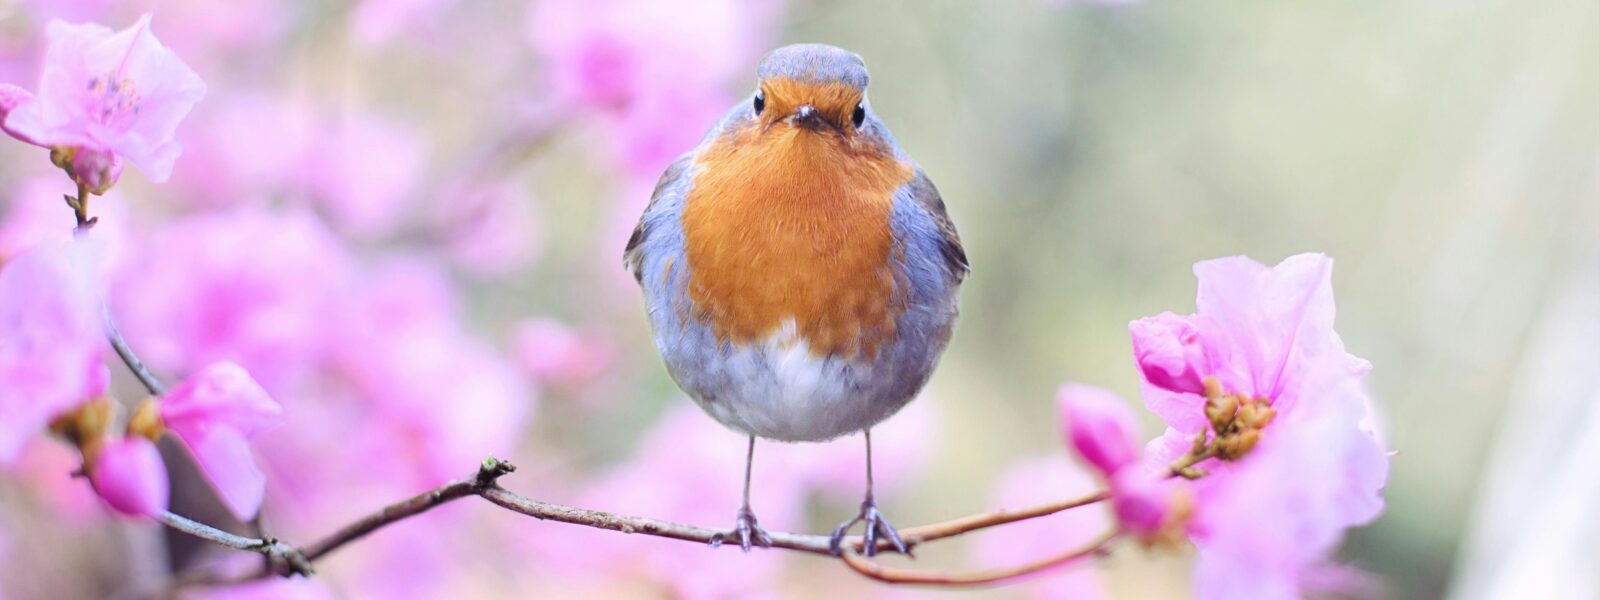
{"x": 799, "y": 269}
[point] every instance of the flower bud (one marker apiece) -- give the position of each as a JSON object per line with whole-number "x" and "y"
{"x": 129, "y": 475}
{"x": 1168, "y": 351}
{"x": 96, "y": 169}
{"x": 1099, "y": 426}
{"x": 1151, "y": 509}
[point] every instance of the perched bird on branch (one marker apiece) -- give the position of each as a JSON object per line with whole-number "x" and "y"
{"x": 799, "y": 269}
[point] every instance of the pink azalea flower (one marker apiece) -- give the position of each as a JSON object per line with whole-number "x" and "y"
{"x": 129, "y": 475}
{"x": 1099, "y": 426}
{"x": 1035, "y": 481}
{"x": 120, "y": 94}
{"x": 51, "y": 339}
{"x": 1266, "y": 519}
{"x": 214, "y": 412}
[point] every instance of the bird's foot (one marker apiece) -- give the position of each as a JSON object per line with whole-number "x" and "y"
{"x": 877, "y": 528}
{"x": 746, "y": 531}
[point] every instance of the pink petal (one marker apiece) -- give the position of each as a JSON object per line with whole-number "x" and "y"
{"x": 129, "y": 475}
{"x": 51, "y": 339}
{"x": 1143, "y": 502}
{"x": 224, "y": 457}
{"x": 1270, "y": 316}
{"x": 221, "y": 395}
{"x": 1167, "y": 349}
{"x": 1099, "y": 426}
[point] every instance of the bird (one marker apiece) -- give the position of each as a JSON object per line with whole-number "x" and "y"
{"x": 799, "y": 270}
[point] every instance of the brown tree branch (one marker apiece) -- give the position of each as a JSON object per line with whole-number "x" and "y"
{"x": 873, "y": 570}
{"x": 286, "y": 560}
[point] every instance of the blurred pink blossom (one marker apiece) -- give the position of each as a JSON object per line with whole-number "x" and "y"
{"x": 247, "y": 144}
{"x": 363, "y": 170}
{"x": 1035, "y": 481}
{"x": 51, "y": 339}
{"x": 250, "y": 286}
{"x": 299, "y": 588}
{"x": 129, "y": 475}
{"x": 693, "y": 469}
{"x": 120, "y": 93}
{"x": 1099, "y": 426}
{"x": 214, "y": 411}
{"x": 492, "y": 229}
{"x": 33, "y": 214}
{"x": 659, "y": 69}
{"x": 402, "y": 345}
{"x": 377, "y": 21}
{"x": 1265, "y": 522}
{"x": 556, "y": 354}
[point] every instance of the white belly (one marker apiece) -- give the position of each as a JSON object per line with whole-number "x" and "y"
{"x": 780, "y": 390}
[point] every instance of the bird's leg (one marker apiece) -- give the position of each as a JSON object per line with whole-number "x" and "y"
{"x": 877, "y": 526}
{"x": 745, "y": 528}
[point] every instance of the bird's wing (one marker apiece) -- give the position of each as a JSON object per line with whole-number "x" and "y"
{"x": 631, "y": 258}
{"x": 927, "y": 196}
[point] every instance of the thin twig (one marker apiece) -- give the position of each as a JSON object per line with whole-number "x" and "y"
{"x": 135, "y": 365}
{"x": 873, "y": 570}
{"x": 289, "y": 560}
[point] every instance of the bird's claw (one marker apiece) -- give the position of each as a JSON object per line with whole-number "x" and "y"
{"x": 876, "y": 527}
{"x": 746, "y": 531}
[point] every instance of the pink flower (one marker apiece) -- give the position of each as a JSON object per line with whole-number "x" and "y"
{"x": 1035, "y": 481}
{"x": 119, "y": 93}
{"x": 129, "y": 475}
{"x": 1099, "y": 426}
{"x": 214, "y": 412}
{"x": 1298, "y": 466}
{"x": 51, "y": 339}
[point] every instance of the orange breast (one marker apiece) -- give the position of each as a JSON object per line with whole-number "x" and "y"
{"x": 784, "y": 223}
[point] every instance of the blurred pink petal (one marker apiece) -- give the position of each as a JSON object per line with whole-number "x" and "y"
{"x": 403, "y": 347}
{"x": 492, "y": 229}
{"x": 1099, "y": 426}
{"x": 34, "y": 214}
{"x": 299, "y": 588}
{"x": 250, "y": 286}
{"x": 1144, "y": 503}
{"x": 1266, "y": 520}
{"x": 659, "y": 68}
{"x": 213, "y": 412}
{"x": 364, "y": 170}
{"x": 377, "y": 21}
{"x": 554, "y": 353}
{"x": 1036, "y": 481}
{"x": 129, "y": 475}
{"x": 51, "y": 339}
{"x": 120, "y": 92}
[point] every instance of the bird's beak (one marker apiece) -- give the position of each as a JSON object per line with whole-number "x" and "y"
{"x": 807, "y": 116}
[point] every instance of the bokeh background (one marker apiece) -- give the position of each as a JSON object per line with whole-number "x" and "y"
{"x": 406, "y": 218}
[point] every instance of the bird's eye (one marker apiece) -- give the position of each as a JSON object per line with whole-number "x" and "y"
{"x": 761, "y": 101}
{"x": 859, "y": 116}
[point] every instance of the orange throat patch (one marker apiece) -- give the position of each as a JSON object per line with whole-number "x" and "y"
{"x": 785, "y": 224}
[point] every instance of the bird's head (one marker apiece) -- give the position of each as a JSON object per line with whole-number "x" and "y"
{"x": 813, "y": 87}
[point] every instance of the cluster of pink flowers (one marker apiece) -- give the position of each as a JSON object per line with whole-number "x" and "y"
{"x": 1265, "y": 411}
